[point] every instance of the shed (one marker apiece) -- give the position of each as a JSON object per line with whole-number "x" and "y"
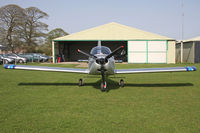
{"x": 191, "y": 51}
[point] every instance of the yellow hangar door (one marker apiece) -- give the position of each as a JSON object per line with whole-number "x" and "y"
{"x": 147, "y": 51}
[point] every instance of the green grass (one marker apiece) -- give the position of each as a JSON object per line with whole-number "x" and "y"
{"x": 45, "y": 102}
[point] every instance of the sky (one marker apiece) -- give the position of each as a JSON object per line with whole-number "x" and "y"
{"x": 162, "y": 17}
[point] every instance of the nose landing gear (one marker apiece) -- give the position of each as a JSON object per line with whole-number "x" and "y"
{"x": 103, "y": 86}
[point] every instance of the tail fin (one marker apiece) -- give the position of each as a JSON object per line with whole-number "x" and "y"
{"x": 99, "y": 42}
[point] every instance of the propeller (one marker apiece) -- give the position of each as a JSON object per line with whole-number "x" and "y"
{"x": 103, "y": 61}
{"x": 114, "y": 52}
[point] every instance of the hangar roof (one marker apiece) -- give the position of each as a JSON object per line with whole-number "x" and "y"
{"x": 193, "y": 39}
{"x": 112, "y": 31}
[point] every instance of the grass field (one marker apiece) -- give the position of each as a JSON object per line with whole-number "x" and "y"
{"x": 45, "y": 102}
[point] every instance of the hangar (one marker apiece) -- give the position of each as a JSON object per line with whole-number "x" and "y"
{"x": 191, "y": 51}
{"x": 140, "y": 46}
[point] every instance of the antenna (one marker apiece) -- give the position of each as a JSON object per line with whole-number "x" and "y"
{"x": 182, "y": 30}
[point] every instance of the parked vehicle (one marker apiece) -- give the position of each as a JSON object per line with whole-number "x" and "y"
{"x": 38, "y": 56}
{"x": 18, "y": 58}
{"x": 6, "y": 59}
{"x": 29, "y": 57}
{"x": 43, "y": 57}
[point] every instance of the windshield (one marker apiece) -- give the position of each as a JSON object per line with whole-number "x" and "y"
{"x": 100, "y": 50}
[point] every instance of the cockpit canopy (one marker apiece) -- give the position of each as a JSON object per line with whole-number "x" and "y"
{"x": 100, "y": 50}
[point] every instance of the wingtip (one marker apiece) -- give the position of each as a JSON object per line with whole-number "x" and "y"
{"x": 194, "y": 68}
{"x": 6, "y": 66}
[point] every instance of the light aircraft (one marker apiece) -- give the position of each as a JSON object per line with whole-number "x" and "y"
{"x": 101, "y": 62}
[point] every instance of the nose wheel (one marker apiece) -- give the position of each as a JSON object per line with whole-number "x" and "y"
{"x": 103, "y": 86}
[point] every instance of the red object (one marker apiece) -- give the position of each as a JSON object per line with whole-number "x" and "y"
{"x": 78, "y": 50}
{"x": 122, "y": 46}
{"x": 59, "y": 59}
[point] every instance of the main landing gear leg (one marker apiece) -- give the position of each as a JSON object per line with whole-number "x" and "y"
{"x": 80, "y": 83}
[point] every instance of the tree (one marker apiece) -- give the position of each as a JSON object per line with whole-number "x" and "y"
{"x": 11, "y": 17}
{"x": 33, "y": 28}
{"x": 58, "y": 32}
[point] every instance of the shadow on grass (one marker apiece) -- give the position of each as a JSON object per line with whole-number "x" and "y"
{"x": 160, "y": 85}
{"x": 111, "y": 84}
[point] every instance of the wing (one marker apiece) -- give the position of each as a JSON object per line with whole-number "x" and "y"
{"x": 153, "y": 70}
{"x": 44, "y": 68}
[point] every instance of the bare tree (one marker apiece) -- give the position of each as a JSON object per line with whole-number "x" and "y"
{"x": 33, "y": 28}
{"x": 10, "y": 24}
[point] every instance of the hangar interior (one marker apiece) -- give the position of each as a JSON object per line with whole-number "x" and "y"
{"x": 68, "y": 49}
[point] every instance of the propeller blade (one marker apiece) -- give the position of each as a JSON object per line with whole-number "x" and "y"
{"x": 114, "y": 52}
{"x": 89, "y": 55}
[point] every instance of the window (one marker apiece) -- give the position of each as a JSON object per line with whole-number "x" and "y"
{"x": 100, "y": 50}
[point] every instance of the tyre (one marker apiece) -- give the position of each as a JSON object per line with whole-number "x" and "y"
{"x": 80, "y": 83}
{"x": 121, "y": 83}
{"x": 103, "y": 86}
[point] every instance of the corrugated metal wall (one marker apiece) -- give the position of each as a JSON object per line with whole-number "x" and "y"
{"x": 191, "y": 52}
{"x": 197, "y": 52}
{"x": 178, "y": 53}
{"x": 188, "y": 52}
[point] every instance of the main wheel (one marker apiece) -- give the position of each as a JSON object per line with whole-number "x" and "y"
{"x": 103, "y": 86}
{"x": 121, "y": 83}
{"x": 80, "y": 83}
